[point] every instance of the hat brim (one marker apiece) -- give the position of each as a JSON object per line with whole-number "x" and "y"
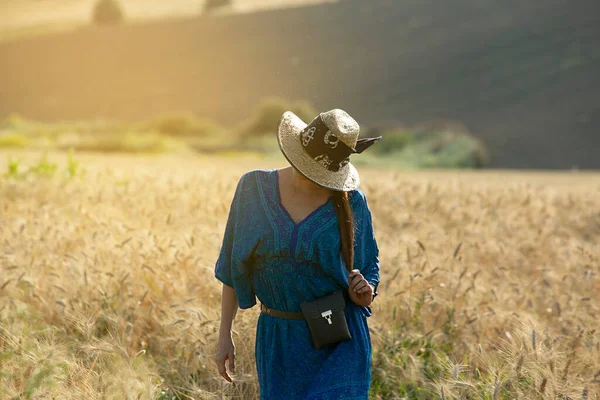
{"x": 288, "y": 135}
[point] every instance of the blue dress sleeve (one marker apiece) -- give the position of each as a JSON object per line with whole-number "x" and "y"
{"x": 234, "y": 265}
{"x": 366, "y": 251}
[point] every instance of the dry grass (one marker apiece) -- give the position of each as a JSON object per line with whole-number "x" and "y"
{"x": 489, "y": 287}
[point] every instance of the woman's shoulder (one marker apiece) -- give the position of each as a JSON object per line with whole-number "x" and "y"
{"x": 357, "y": 197}
{"x": 255, "y": 174}
{"x": 250, "y": 180}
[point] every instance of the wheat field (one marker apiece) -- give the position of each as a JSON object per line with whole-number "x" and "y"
{"x": 489, "y": 281}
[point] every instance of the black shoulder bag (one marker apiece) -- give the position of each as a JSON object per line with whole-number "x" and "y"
{"x": 326, "y": 319}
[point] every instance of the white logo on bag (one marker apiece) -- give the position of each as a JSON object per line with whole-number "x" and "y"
{"x": 332, "y": 143}
{"x": 308, "y": 136}
{"x": 327, "y": 316}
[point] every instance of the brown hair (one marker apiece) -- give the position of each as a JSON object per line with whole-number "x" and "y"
{"x": 346, "y": 226}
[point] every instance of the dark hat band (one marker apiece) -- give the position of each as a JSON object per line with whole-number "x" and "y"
{"x": 326, "y": 148}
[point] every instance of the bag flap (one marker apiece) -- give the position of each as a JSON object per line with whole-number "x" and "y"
{"x": 334, "y": 302}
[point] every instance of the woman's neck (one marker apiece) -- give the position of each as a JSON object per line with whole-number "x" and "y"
{"x": 300, "y": 184}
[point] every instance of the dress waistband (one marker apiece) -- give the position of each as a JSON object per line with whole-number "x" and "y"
{"x": 292, "y": 315}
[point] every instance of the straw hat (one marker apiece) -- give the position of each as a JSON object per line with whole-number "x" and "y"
{"x": 321, "y": 150}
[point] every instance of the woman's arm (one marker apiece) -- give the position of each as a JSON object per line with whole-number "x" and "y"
{"x": 364, "y": 279}
{"x": 225, "y": 346}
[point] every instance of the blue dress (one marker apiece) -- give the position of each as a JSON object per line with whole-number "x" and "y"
{"x": 265, "y": 254}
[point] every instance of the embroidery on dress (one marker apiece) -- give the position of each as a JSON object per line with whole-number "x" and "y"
{"x": 332, "y": 143}
{"x": 307, "y": 136}
{"x": 324, "y": 160}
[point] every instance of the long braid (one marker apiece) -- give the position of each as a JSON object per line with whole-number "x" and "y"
{"x": 346, "y": 226}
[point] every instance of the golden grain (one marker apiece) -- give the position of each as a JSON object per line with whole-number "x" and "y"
{"x": 107, "y": 272}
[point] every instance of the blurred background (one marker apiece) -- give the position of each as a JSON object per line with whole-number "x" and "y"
{"x": 449, "y": 84}
{"x": 155, "y": 108}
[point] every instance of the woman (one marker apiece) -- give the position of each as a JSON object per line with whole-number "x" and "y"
{"x": 295, "y": 235}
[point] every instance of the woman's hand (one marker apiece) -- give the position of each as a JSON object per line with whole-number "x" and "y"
{"x": 360, "y": 291}
{"x": 225, "y": 351}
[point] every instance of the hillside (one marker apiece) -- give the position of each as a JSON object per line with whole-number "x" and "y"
{"x": 19, "y": 18}
{"x": 523, "y": 76}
